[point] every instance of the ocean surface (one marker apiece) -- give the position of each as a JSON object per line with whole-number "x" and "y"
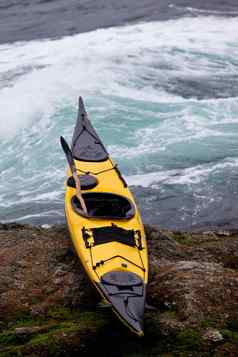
{"x": 160, "y": 82}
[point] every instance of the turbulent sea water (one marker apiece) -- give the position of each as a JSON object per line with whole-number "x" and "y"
{"x": 160, "y": 83}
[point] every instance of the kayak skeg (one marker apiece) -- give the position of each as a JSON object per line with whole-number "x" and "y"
{"x": 109, "y": 239}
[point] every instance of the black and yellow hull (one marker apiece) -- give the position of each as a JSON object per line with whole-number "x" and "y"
{"x": 111, "y": 246}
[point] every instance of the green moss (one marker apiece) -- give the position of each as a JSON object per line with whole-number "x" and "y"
{"x": 93, "y": 319}
{"x": 184, "y": 238}
{"x": 86, "y": 319}
{"x": 39, "y": 339}
{"x": 24, "y": 319}
{"x": 27, "y": 322}
{"x": 62, "y": 313}
{"x": 86, "y": 322}
{"x": 49, "y": 340}
{"x": 230, "y": 335}
{"x": 98, "y": 332}
{"x": 188, "y": 340}
{"x": 58, "y": 323}
{"x": 11, "y": 338}
{"x": 7, "y": 338}
{"x": 212, "y": 322}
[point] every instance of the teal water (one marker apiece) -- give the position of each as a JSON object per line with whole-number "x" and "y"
{"x": 162, "y": 96}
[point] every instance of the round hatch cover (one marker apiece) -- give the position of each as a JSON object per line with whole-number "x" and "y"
{"x": 121, "y": 278}
{"x": 86, "y": 181}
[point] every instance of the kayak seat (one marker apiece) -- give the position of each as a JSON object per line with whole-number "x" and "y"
{"x": 104, "y": 205}
{"x": 87, "y": 182}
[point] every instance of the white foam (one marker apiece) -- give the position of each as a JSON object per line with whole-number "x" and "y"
{"x": 46, "y": 226}
{"x": 109, "y": 62}
{"x": 191, "y": 175}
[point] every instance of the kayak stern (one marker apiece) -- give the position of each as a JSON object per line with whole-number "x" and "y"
{"x": 125, "y": 291}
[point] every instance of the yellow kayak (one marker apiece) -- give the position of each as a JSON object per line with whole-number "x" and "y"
{"x": 109, "y": 239}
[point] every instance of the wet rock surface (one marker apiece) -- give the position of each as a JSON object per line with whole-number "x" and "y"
{"x": 49, "y": 308}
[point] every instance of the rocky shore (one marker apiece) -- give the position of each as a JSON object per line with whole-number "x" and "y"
{"x": 49, "y": 308}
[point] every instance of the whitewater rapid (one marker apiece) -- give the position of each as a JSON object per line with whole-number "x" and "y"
{"x": 163, "y": 97}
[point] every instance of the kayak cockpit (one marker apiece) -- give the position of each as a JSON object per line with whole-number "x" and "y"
{"x": 104, "y": 205}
